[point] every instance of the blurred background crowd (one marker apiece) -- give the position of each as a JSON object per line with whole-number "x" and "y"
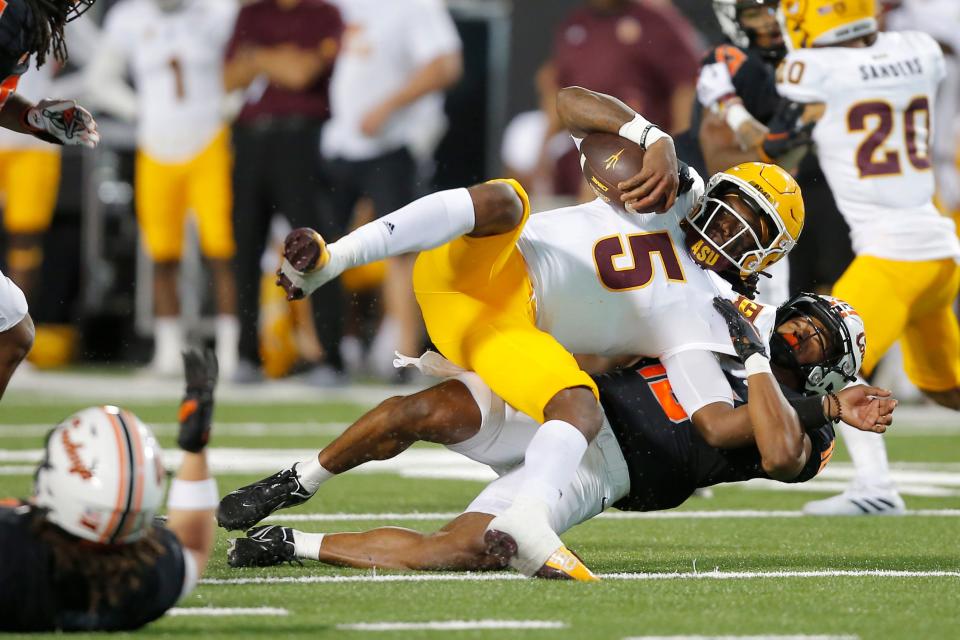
{"x": 225, "y": 124}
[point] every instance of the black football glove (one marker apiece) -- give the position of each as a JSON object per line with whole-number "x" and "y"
{"x": 746, "y": 340}
{"x": 786, "y": 132}
{"x": 686, "y": 178}
{"x": 196, "y": 410}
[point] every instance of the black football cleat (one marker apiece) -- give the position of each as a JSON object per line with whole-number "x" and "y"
{"x": 245, "y": 507}
{"x": 263, "y": 547}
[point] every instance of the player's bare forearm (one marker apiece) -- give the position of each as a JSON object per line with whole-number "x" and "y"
{"x": 783, "y": 444}
{"x": 437, "y": 75}
{"x": 720, "y": 148}
{"x": 13, "y": 113}
{"x": 239, "y": 71}
{"x": 444, "y": 414}
{"x": 583, "y": 111}
{"x": 459, "y": 546}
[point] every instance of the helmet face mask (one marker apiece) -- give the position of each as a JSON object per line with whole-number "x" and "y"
{"x": 79, "y": 8}
{"x": 752, "y": 236}
{"x": 101, "y": 478}
{"x": 832, "y": 324}
{"x": 730, "y": 16}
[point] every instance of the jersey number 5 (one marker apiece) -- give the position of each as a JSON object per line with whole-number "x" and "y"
{"x": 619, "y": 271}
{"x": 872, "y": 158}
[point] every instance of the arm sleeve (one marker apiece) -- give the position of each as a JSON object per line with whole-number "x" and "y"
{"x": 431, "y": 32}
{"x": 801, "y": 78}
{"x": 697, "y": 380}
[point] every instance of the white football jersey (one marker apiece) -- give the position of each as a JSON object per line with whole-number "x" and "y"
{"x": 611, "y": 283}
{"x": 176, "y": 60}
{"x": 873, "y": 141}
{"x": 384, "y": 44}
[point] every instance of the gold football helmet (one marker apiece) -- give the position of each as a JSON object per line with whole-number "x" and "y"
{"x": 822, "y": 23}
{"x": 750, "y": 236}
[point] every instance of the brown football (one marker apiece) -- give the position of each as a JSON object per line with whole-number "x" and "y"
{"x": 607, "y": 160}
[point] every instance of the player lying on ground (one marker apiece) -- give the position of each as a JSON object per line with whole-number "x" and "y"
{"x": 84, "y": 553}
{"x": 512, "y": 297}
{"x": 31, "y": 28}
{"x": 648, "y": 456}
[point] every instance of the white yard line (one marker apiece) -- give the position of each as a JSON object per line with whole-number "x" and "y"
{"x": 415, "y": 516}
{"x": 496, "y": 577}
{"x": 227, "y": 611}
{"x": 452, "y": 625}
{"x": 252, "y": 429}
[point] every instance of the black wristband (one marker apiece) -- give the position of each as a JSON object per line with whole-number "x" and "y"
{"x": 809, "y": 411}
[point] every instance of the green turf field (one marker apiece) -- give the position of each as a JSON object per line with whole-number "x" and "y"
{"x": 751, "y": 575}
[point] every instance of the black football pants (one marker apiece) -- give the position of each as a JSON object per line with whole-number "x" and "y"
{"x": 277, "y": 169}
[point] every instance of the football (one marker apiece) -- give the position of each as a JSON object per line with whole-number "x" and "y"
{"x": 607, "y": 160}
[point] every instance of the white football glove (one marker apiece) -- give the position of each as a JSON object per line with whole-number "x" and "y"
{"x": 62, "y": 122}
{"x": 714, "y": 83}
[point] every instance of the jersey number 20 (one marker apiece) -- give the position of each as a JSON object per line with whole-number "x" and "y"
{"x": 872, "y": 158}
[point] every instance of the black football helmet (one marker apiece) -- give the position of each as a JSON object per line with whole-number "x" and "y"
{"x": 839, "y": 328}
{"x": 728, "y": 15}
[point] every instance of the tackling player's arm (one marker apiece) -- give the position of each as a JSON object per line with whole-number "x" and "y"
{"x": 193, "y": 497}
{"x": 583, "y": 111}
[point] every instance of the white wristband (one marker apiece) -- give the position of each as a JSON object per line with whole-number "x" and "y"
{"x": 757, "y": 363}
{"x": 193, "y": 495}
{"x": 642, "y": 131}
{"x": 736, "y": 114}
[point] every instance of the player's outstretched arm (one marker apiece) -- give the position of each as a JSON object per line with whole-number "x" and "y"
{"x": 784, "y": 445}
{"x": 583, "y": 112}
{"x": 193, "y": 495}
{"x": 56, "y": 121}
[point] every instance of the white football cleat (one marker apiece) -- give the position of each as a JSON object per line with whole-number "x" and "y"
{"x": 858, "y": 502}
{"x": 522, "y": 536}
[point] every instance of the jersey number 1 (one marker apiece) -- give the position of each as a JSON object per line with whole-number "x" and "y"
{"x": 617, "y": 272}
{"x": 872, "y": 158}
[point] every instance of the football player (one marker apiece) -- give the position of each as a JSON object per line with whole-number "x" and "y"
{"x": 739, "y": 117}
{"x": 85, "y": 553}
{"x": 512, "y": 297}
{"x": 876, "y": 91}
{"x": 649, "y": 455}
{"x": 174, "y": 50}
{"x": 33, "y": 28}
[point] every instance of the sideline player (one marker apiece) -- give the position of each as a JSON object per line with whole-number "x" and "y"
{"x": 873, "y": 141}
{"x": 33, "y": 29}
{"x": 740, "y": 117}
{"x": 512, "y": 299}
{"x": 648, "y": 456}
{"x": 174, "y": 50}
{"x": 85, "y": 553}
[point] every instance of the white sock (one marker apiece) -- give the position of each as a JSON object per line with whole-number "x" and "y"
{"x": 227, "y": 330}
{"x": 423, "y": 224}
{"x": 307, "y": 545}
{"x": 869, "y": 454}
{"x": 312, "y": 474}
{"x": 168, "y": 341}
{"x": 551, "y": 461}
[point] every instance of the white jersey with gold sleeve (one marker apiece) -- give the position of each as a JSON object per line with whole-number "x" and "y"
{"x": 873, "y": 140}
{"x": 611, "y": 283}
{"x": 176, "y": 61}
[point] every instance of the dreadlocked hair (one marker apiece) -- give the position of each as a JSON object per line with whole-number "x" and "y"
{"x": 49, "y": 18}
{"x": 110, "y": 571}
